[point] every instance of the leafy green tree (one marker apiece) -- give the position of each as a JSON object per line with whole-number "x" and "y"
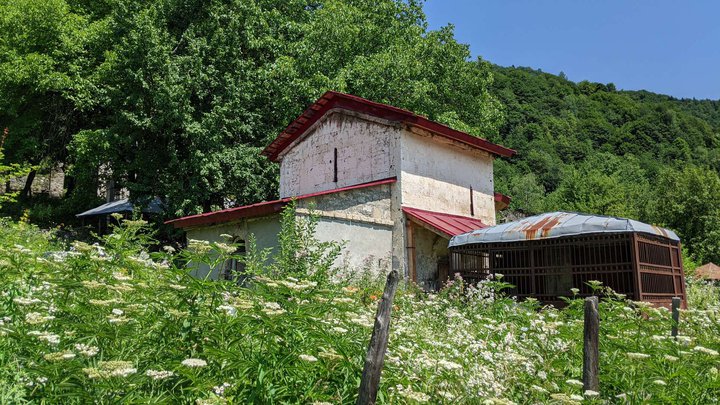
{"x": 48, "y": 59}
{"x": 688, "y": 201}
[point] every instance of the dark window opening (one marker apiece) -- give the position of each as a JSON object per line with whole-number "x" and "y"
{"x": 234, "y": 268}
{"x": 472, "y": 203}
{"x": 335, "y": 176}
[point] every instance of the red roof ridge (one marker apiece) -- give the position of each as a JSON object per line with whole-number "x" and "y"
{"x": 333, "y": 100}
{"x": 262, "y": 208}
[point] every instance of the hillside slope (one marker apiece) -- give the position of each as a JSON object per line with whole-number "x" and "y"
{"x": 588, "y": 147}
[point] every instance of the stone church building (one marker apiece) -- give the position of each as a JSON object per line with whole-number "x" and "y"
{"x": 392, "y": 184}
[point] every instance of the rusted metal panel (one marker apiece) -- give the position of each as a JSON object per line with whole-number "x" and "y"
{"x": 559, "y": 224}
{"x": 643, "y": 267}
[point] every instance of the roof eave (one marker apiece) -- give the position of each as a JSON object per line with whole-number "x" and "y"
{"x": 335, "y": 100}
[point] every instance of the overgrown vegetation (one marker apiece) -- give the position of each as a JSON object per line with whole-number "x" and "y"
{"x": 113, "y": 322}
{"x": 178, "y": 97}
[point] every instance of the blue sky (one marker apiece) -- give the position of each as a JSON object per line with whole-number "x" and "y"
{"x": 668, "y": 47}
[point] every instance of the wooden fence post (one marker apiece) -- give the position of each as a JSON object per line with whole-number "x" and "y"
{"x": 591, "y": 349}
{"x": 675, "y": 315}
{"x": 378, "y": 344}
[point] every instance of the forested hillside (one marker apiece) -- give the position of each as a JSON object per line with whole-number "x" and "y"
{"x": 588, "y": 147}
{"x": 176, "y": 98}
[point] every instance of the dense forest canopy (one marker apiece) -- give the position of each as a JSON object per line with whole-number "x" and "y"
{"x": 178, "y": 97}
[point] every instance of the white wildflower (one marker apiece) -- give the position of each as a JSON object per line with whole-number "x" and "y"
{"x": 59, "y": 356}
{"x": 107, "y": 369}
{"x": 670, "y": 358}
{"x": 638, "y": 356}
{"x": 26, "y": 301}
{"x": 35, "y": 318}
{"x": 86, "y": 350}
{"x": 228, "y": 309}
{"x": 220, "y": 389}
{"x": 576, "y": 383}
{"x": 121, "y": 276}
{"x": 705, "y": 350}
{"x": 117, "y": 311}
{"x": 194, "y": 362}
{"x": 659, "y": 382}
{"x": 591, "y": 393}
{"x": 159, "y": 374}
{"x": 92, "y": 284}
{"x": 307, "y": 357}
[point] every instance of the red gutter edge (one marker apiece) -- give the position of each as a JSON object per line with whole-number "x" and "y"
{"x": 332, "y": 100}
{"x": 262, "y": 208}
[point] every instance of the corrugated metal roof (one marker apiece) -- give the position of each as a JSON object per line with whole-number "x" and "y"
{"x": 447, "y": 224}
{"x": 557, "y": 224}
{"x": 333, "y": 100}
{"x": 261, "y": 208}
{"x": 123, "y": 205}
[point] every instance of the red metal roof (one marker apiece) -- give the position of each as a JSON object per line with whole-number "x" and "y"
{"x": 335, "y": 100}
{"x": 260, "y": 209}
{"x": 447, "y": 224}
{"x": 710, "y": 271}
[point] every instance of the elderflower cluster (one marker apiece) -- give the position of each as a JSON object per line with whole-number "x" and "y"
{"x": 194, "y": 363}
{"x": 159, "y": 374}
{"x": 86, "y": 350}
{"x": 108, "y": 369}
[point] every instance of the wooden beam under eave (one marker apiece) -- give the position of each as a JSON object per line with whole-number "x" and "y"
{"x": 410, "y": 238}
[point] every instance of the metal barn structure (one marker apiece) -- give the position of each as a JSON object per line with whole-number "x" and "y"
{"x": 544, "y": 256}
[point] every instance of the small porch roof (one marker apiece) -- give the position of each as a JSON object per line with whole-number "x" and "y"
{"x": 259, "y": 209}
{"x": 123, "y": 205}
{"x": 709, "y": 271}
{"x": 447, "y": 225}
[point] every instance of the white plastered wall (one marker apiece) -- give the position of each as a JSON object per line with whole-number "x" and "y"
{"x": 265, "y": 230}
{"x": 364, "y": 146}
{"x": 437, "y": 175}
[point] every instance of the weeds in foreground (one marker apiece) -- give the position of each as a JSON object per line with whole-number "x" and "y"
{"x": 113, "y": 322}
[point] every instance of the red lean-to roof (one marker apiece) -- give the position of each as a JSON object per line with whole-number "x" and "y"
{"x": 502, "y": 201}
{"x": 260, "y": 209}
{"x": 334, "y": 100}
{"x": 709, "y": 271}
{"x": 446, "y": 224}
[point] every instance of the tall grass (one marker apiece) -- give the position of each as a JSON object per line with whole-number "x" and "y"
{"x": 113, "y": 322}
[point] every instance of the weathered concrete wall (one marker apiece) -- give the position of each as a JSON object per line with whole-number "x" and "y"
{"x": 363, "y": 145}
{"x": 429, "y": 248}
{"x": 368, "y": 247}
{"x": 437, "y": 174}
{"x": 264, "y": 229}
{"x": 371, "y": 204}
{"x": 51, "y": 183}
{"x": 362, "y": 219}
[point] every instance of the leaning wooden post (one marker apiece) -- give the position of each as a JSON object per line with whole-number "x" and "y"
{"x": 591, "y": 349}
{"x": 378, "y": 344}
{"x": 675, "y": 315}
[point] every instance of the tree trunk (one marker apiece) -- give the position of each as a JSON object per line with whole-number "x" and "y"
{"x": 27, "y": 190}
